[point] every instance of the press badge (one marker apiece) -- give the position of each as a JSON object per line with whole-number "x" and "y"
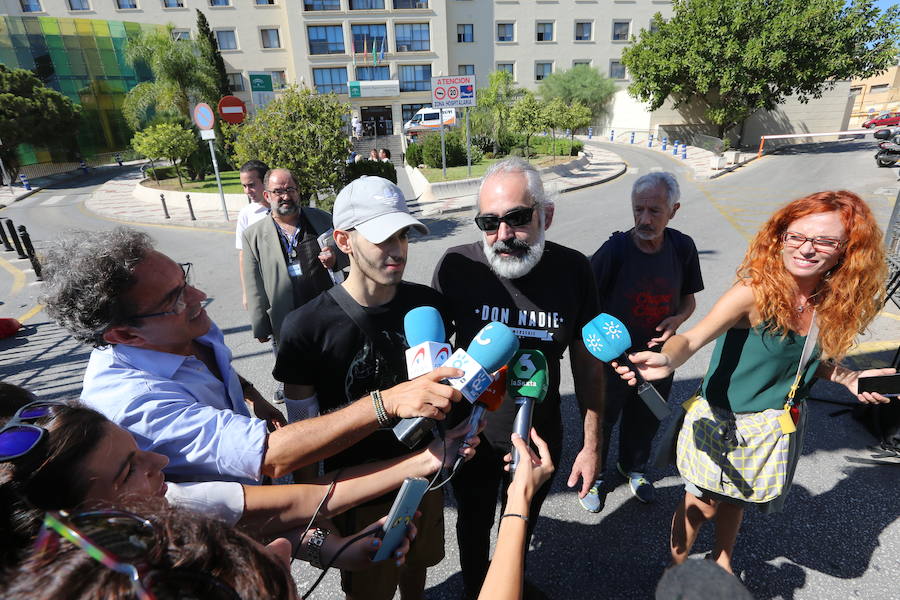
{"x": 294, "y": 270}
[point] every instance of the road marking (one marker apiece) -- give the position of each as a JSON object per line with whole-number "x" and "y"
{"x": 874, "y": 346}
{"x": 31, "y": 312}
{"x": 53, "y": 200}
{"x": 18, "y": 276}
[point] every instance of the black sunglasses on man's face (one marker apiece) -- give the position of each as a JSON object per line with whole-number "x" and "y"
{"x": 517, "y": 217}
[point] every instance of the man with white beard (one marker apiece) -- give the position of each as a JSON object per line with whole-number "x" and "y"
{"x": 545, "y": 293}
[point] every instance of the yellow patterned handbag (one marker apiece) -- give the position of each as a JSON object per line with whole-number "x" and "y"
{"x": 740, "y": 455}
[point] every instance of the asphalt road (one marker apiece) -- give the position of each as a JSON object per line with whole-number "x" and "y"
{"x": 839, "y": 536}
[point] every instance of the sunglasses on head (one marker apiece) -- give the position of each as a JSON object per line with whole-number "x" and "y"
{"x": 19, "y": 437}
{"x": 517, "y": 217}
{"x": 122, "y": 541}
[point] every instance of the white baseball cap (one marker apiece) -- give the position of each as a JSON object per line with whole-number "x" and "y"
{"x": 375, "y": 207}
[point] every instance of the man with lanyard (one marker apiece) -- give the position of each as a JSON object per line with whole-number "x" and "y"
{"x": 647, "y": 277}
{"x": 350, "y": 342}
{"x": 545, "y": 292}
{"x": 252, "y": 174}
{"x": 284, "y": 266}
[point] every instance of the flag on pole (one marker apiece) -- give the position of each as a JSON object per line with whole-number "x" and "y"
{"x": 382, "y": 49}
{"x": 365, "y": 48}
{"x": 375, "y": 51}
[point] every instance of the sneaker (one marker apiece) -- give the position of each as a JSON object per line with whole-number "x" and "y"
{"x": 595, "y": 498}
{"x": 278, "y": 397}
{"x": 639, "y": 486}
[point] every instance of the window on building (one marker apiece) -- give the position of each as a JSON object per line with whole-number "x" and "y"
{"x": 653, "y": 26}
{"x": 465, "y": 70}
{"x": 79, "y": 5}
{"x": 173, "y": 3}
{"x": 265, "y": 2}
{"x": 366, "y": 4}
{"x": 220, "y": 2}
{"x": 321, "y": 4}
{"x": 542, "y": 69}
{"x": 506, "y": 32}
{"x": 583, "y": 31}
{"x": 408, "y": 110}
{"x": 123, "y": 4}
{"x": 270, "y": 38}
{"x": 544, "y": 32}
{"x": 370, "y": 38}
{"x": 398, "y": 4}
{"x": 31, "y": 5}
{"x": 616, "y": 70}
{"x": 279, "y": 80}
{"x": 508, "y": 67}
{"x": 465, "y": 33}
{"x": 236, "y": 82}
{"x": 181, "y": 34}
{"x": 855, "y": 91}
{"x": 325, "y": 39}
{"x": 621, "y": 31}
{"x": 415, "y": 78}
{"x": 226, "y": 39}
{"x": 331, "y": 80}
{"x": 379, "y": 73}
{"x": 412, "y": 37}
{"x": 881, "y": 87}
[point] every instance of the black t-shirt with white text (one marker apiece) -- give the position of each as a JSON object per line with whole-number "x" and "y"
{"x": 546, "y": 309}
{"x": 322, "y": 347}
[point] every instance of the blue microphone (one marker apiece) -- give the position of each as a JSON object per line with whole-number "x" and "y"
{"x": 607, "y": 338}
{"x": 424, "y": 329}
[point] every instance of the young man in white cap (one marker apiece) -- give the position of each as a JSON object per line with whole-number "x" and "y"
{"x": 326, "y": 354}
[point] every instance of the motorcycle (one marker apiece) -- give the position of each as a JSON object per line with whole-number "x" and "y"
{"x": 888, "y": 153}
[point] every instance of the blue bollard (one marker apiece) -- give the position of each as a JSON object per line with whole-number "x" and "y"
{"x": 612, "y": 135}
{"x": 25, "y": 182}
{"x": 665, "y": 143}
{"x": 675, "y": 147}
{"x": 83, "y": 167}
{"x": 684, "y": 151}
{"x": 590, "y": 132}
{"x": 632, "y": 138}
{"x": 650, "y": 141}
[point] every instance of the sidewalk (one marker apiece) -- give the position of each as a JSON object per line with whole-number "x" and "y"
{"x": 39, "y": 183}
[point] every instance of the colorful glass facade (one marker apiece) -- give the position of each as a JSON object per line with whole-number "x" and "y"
{"x": 85, "y": 60}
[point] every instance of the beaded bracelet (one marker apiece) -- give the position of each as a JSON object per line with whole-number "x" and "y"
{"x": 380, "y": 413}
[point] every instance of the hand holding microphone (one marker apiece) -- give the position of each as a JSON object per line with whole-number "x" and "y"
{"x": 607, "y": 338}
{"x": 528, "y": 384}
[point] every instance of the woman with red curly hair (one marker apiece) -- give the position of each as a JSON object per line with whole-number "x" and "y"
{"x": 818, "y": 260}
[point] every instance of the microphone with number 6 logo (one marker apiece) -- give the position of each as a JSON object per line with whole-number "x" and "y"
{"x": 528, "y": 383}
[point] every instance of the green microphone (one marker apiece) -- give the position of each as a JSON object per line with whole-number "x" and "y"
{"x": 527, "y": 383}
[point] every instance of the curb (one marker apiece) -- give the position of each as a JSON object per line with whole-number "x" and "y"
{"x": 733, "y": 167}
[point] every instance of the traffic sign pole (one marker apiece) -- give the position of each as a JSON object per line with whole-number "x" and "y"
{"x": 205, "y": 119}
{"x": 443, "y": 148}
{"x": 468, "y": 146}
{"x": 212, "y": 153}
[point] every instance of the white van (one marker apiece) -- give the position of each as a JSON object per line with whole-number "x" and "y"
{"x": 429, "y": 119}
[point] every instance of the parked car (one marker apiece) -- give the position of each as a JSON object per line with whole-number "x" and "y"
{"x": 887, "y": 119}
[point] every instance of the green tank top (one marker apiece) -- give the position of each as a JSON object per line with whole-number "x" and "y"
{"x": 752, "y": 370}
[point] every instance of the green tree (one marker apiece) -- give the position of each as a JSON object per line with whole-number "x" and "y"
{"x": 734, "y": 57}
{"x": 575, "y": 116}
{"x": 581, "y": 83}
{"x": 182, "y": 77}
{"x": 165, "y": 141}
{"x": 554, "y": 115}
{"x": 209, "y": 50}
{"x": 31, "y": 113}
{"x": 491, "y": 116}
{"x": 527, "y": 116}
{"x": 301, "y": 131}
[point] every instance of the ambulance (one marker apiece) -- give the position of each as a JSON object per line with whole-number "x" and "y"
{"x": 429, "y": 119}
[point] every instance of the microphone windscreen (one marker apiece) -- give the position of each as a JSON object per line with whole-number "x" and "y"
{"x": 528, "y": 375}
{"x": 494, "y": 345}
{"x": 493, "y": 397}
{"x": 423, "y": 324}
{"x": 606, "y": 337}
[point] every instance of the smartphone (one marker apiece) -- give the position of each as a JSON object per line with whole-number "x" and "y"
{"x": 325, "y": 240}
{"x": 886, "y": 385}
{"x": 402, "y": 512}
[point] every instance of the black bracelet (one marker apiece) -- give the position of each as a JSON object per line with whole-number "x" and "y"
{"x": 523, "y": 517}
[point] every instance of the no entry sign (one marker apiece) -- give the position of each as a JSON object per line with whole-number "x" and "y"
{"x": 232, "y": 109}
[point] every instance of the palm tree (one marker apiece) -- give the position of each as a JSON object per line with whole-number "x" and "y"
{"x": 181, "y": 77}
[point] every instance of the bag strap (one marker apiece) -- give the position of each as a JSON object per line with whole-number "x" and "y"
{"x": 355, "y": 312}
{"x": 811, "y": 338}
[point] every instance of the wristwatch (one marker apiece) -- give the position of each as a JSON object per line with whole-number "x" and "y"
{"x": 314, "y": 547}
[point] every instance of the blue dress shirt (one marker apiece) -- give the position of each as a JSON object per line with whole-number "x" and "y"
{"x": 175, "y": 406}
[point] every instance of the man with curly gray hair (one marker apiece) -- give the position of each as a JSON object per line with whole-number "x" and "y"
{"x": 161, "y": 369}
